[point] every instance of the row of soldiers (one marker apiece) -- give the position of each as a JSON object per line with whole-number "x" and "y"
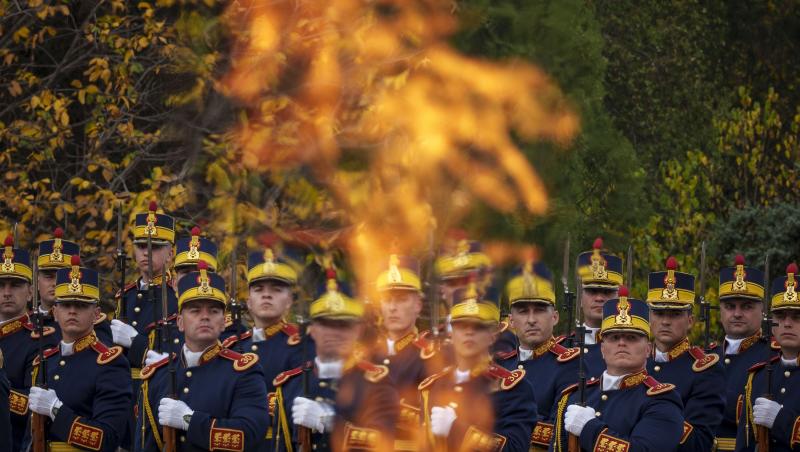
{"x": 172, "y": 369}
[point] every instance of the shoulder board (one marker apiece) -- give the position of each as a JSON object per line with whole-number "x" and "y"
{"x": 127, "y": 287}
{"x": 429, "y": 381}
{"x": 505, "y": 355}
{"x": 427, "y": 348}
{"x": 230, "y": 340}
{"x": 283, "y": 377}
{"x": 240, "y": 361}
{"x": 775, "y": 345}
{"x": 503, "y": 327}
{"x": 574, "y": 387}
{"x": 293, "y": 331}
{"x": 702, "y": 361}
{"x": 373, "y": 372}
{"x": 712, "y": 346}
{"x": 656, "y": 388}
{"x": 560, "y": 339}
{"x": 48, "y": 330}
{"x": 150, "y": 369}
{"x": 508, "y": 378}
{"x": 100, "y": 318}
{"x": 568, "y": 354}
{"x": 105, "y": 354}
{"x": 47, "y": 353}
{"x": 755, "y": 367}
{"x": 27, "y": 324}
{"x": 246, "y": 335}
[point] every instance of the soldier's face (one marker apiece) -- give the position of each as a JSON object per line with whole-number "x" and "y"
{"x": 334, "y": 339}
{"x": 47, "y": 287}
{"x": 624, "y": 352}
{"x": 268, "y": 301}
{"x": 75, "y": 318}
{"x": 180, "y": 272}
{"x": 472, "y": 340}
{"x": 533, "y": 322}
{"x": 670, "y": 326}
{"x": 400, "y": 309}
{"x": 162, "y": 255}
{"x": 786, "y": 330}
{"x": 14, "y": 296}
{"x": 592, "y": 301}
{"x": 448, "y": 287}
{"x": 740, "y": 318}
{"x": 201, "y": 322}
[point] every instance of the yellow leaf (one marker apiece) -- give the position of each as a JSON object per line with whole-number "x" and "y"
{"x": 14, "y": 88}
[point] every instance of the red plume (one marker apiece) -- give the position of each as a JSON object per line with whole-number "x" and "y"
{"x": 792, "y": 268}
{"x": 330, "y": 273}
{"x": 457, "y": 234}
{"x": 9, "y": 241}
{"x": 623, "y": 291}
{"x": 195, "y": 231}
{"x": 269, "y": 239}
{"x": 76, "y": 260}
{"x": 672, "y": 264}
{"x": 153, "y": 206}
{"x": 58, "y": 233}
{"x": 739, "y": 259}
{"x": 202, "y": 265}
{"x": 598, "y": 243}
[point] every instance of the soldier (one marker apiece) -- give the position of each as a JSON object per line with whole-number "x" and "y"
{"x": 600, "y": 274}
{"x": 774, "y": 407}
{"x": 272, "y": 277}
{"x": 340, "y": 401}
{"x": 189, "y": 251}
{"x": 476, "y": 404}
{"x": 549, "y": 366}
{"x": 626, "y": 409}
{"x": 86, "y": 398}
{"x": 16, "y": 339}
{"x": 400, "y": 347}
{"x": 741, "y": 295}
{"x": 55, "y": 254}
{"x": 218, "y": 401}
{"x": 698, "y": 377}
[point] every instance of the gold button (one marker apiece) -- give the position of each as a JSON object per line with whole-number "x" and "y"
{"x": 134, "y": 323}
{"x": 64, "y": 363}
{"x": 254, "y": 347}
{"x": 188, "y": 373}
{"x": 139, "y": 295}
{"x": 787, "y": 374}
{"x": 597, "y": 414}
{"x": 783, "y": 390}
{"x": 657, "y": 368}
{"x": 323, "y": 384}
{"x": 386, "y": 361}
{"x": 183, "y": 439}
{"x": 137, "y": 309}
{"x": 727, "y": 360}
{"x": 314, "y": 446}
{"x": 185, "y": 390}
{"x": 176, "y": 341}
{"x": 585, "y": 350}
{"x": 520, "y": 366}
{"x": 458, "y": 389}
{"x": 56, "y": 377}
{"x": 603, "y": 397}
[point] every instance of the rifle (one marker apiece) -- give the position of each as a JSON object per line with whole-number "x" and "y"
{"x": 121, "y": 264}
{"x": 304, "y": 433}
{"x": 705, "y": 305}
{"x": 569, "y": 297}
{"x": 236, "y": 307}
{"x": 151, "y": 295}
{"x": 573, "y": 444}
{"x": 168, "y": 432}
{"x": 762, "y": 432}
{"x": 629, "y": 270}
{"x": 39, "y": 440}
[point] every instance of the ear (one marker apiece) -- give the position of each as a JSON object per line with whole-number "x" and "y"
{"x": 555, "y": 315}
{"x": 180, "y": 322}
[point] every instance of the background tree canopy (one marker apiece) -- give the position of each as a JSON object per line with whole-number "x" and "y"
{"x": 688, "y": 110}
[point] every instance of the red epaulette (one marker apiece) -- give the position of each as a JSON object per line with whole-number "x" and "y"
{"x": 229, "y": 341}
{"x": 47, "y": 330}
{"x": 712, "y": 346}
{"x": 656, "y": 388}
{"x": 373, "y": 372}
{"x": 429, "y": 381}
{"x": 106, "y": 354}
{"x": 27, "y": 324}
{"x": 774, "y": 345}
{"x": 127, "y": 287}
{"x": 152, "y": 325}
{"x": 427, "y": 348}
{"x": 702, "y": 361}
{"x": 241, "y": 362}
{"x": 148, "y": 370}
{"x": 573, "y": 387}
{"x": 293, "y": 331}
{"x": 246, "y": 335}
{"x": 505, "y": 355}
{"x": 763, "y": 364}
{"x": 508, "y": 378}
{"x": 565, "y": 354}
{"x": 47, "y": 353}
{"x": 283, "y": 377}
{"x": 560, "y": 339}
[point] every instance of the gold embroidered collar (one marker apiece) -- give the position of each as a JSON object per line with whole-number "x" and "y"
{"x": 633, "y": 379}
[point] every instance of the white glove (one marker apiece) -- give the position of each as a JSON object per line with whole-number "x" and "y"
{"x": 42, "y": 401}
{"x": 174, "y": 413}
{"x": 576, "y": 418}
{"x": 123, "y": 333}
{"x": 314, "y": 415}
{"x": 154, "y": 357}
{"x": 765, "y": 411}
{"x": 442, "y": 419}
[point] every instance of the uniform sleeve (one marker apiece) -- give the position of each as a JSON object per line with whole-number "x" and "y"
{"x": 518, "y": 417}
{"x": 378, "y": 414}
{"x": 246, "y": 427}
{"x": 659, "y": 428}
{"x": 110, "y": 412}
{"x": 703, "y": 410}
{"x": 786, "y": 429}
{"x": 5, "y": 413}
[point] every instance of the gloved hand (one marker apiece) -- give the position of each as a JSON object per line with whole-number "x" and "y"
{"x": 314, "y": 415}
{"x": 154, "y": 357}
{"x": 174, "y": 413}
{"x": 123, "y": 333}
{"x": 765, "y": 411}
{"x": 442, "y": 419}
{"x": 576, "y": 418}
{"x": 42, "y": 401}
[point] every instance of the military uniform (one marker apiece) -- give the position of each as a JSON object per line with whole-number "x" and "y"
{"x": 698, "y": 376}
{"x": 225, "y": 389}
{"x": 784, "y": 388}
{"x": 5, "y": 413}
{"x": 633, "y": 411}
{"x": 739, "y": 283}
{"x": 86, "y": 377}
